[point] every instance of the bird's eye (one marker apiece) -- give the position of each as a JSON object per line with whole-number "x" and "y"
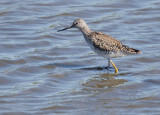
{"x": 76, "y": 23}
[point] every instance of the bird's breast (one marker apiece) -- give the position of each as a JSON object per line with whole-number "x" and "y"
{"x": 103, "y": 53}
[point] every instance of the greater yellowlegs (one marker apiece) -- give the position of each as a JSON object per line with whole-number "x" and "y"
{"x": 103, "y": 44}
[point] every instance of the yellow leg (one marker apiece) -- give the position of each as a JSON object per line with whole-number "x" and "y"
{"x": 116, "y": 69}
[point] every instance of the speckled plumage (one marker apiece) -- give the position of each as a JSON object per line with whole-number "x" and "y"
{"x": 103, "y": 44}
{"x": 107, "y": 46}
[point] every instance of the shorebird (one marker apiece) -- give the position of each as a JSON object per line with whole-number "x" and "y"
{"x": 103, "y": 44}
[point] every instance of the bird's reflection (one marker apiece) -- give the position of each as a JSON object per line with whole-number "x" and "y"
{"x": 104, "y": 80}
{"x": 97, "y": 68}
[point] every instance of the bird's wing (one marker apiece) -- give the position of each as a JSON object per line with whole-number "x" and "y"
{"x": 108, "y": 43}
{"x": 105, "y": 42}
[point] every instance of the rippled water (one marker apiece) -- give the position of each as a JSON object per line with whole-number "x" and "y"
{"x": 46, "y": 72}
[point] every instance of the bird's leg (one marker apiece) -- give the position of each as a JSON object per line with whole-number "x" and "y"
{"x": 108, "y": 62}
{"x": 116, "y": 69}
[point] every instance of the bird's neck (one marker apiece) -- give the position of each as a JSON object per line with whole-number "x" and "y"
{"x": 85, "y": 30}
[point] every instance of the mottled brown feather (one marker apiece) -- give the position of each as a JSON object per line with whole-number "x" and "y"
{"x": 105, "y": 42}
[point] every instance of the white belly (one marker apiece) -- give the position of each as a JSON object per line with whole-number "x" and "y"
{"x": 103, "y": 53}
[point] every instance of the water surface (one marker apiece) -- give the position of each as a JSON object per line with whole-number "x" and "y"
{"x": 47, "y": 72}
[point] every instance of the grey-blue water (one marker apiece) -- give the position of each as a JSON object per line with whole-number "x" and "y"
{"x": 45, "y": 72}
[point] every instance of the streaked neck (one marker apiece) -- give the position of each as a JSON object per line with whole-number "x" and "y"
{"x": 85, "y": 30}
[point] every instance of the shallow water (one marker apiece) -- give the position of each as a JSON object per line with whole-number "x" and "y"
{"x": 45, "y": 72}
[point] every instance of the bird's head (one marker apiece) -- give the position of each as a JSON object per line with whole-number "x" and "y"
{"x": 78, "y": 23}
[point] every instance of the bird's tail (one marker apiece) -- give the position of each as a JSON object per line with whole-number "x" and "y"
{"x": 130, "y": 51}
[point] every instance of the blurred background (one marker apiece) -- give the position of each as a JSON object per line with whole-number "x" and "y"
{"x": 45, "y": 72}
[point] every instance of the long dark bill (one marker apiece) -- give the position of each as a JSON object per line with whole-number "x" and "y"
{"x": 66, "y": 28}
